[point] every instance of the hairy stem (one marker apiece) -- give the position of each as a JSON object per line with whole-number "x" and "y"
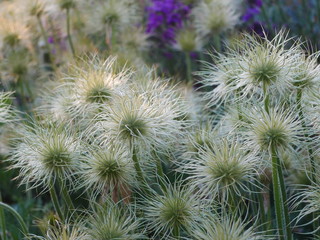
{"x": 3, "y": 221}
{"x": 17, "y": 216}
{"x": 55, "y": 201}
{"x": 68, "y": 32}
{"x": 188, "y": 67}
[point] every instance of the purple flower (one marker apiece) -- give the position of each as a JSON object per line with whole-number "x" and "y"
{"x": 165, "y": 17}
{"x": 254, "y": 8}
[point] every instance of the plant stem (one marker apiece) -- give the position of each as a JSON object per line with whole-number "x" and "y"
{"x": 189, "y": 67}
{"x": 44, "y": 34}
{"x": 217, "y": 42}
{"x": 142, "y": 180}
{"x": 3, "y": 221}
{"x": 176, "y": 232}
{"x": 17, "y": 216}
{"x": 68, "y": 32}
{"x": 284, "y": 200}
{"x": 66, "y": 197}
{"x": 55, "y": 201}
{"x": 277, "y": 194}
{"x": 282, "y": 216}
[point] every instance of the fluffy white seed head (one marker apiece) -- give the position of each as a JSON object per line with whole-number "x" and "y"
{"x": 46, "y": 154}
{"x": 176, "y": 209}
{"x": 279, "y": 129}
{"x": 7, "y": 114}
{"x": 105, "y": 170}
{"x": 109, "y": 221}
{"x": 225, "y": 228}
{"x": 215, "y": 16}
{"x": 221, "y": 168}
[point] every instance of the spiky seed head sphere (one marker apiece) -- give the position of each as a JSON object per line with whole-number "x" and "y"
{"x": 14, "y": 33}
{"x": 215, "y": 16}
{"x": 221, "y": 77}
{"x": 139, "y": 121}
{"x": 175, "y": 210}
{"x": 115, "y": 14}
{"x": 278, "y": 129}
{"x": 267, "y": 66}
{"x": 108, "y": 169}
{"x": 225, "y": 228}
{"x": 7, "y": 114}
{"x": 307, "y": 75}
{"x": 60, "y": 231}
{"x": 254, "y": 68}
{"x": 200, "y": 138}
{"x": 110, "y": 222}
{"x": 222, "y": 168}
{"x": 94, "y": 83}
{"x": 45, "y": 154}
{"x": 187, "y": 40}
{"x": 309, "y": 199}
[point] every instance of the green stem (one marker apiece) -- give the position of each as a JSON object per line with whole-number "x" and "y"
{"x": 189, "y": 67}
{"x": 217, "y": 42}
{"x": 277, "y": 194}
{"x": 284, "y": 200}
{"x": 66, "y": 196}
{"x": 176, "y": 232}
{"x": 279, "y": 202}
{"x": 45, "y": 36}
{"x": 266, "y": 98}
{"x": 55, "y": 201}
{"x": 68, "y": 32}
{"x": 3, "y": 221}
{"x": 24, "y": 228}
{"x": 142, "y": 180}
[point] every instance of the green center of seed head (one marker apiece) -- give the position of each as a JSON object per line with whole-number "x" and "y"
{"x": 132, "y": 127}
{"x": 228, "y": 172}
{"x": 266, "y": 72}
{"x": 108, "y": 168}
{"x": 175, "y": 212}
{"x": 274, "y": 137}
{"x": 11, "y": 39}
{"x": 107, "y": 232}
{"x": 110, "y": 18}
{"x": 56, "y": 160}
{"x": 98, "y": 95}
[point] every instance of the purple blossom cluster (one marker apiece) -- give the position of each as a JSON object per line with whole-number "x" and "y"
{"x": 253, "y": 9}
{"x": 165, "y": 17}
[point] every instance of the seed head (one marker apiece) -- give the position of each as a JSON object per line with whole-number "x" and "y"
{"x": 44, "y": 154}
{"x": 110, "y": 222}
{"x": 279, "y": 129}
{"x": 215, "y": 17}
{"x": 222, "y": 168}
{"x": 175, "y": 209}
{"x": 107, "y": 170}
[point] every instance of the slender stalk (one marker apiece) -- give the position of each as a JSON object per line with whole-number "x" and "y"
{"x": 284, "y": 200}
{"x": 176, "y": 232}
{"x": 55, "y": 201}
{"x": 17, "y": 216}
{"x": 188, "y": 66}
{"x": 142, "y": 180}
{"x": 266, "y": 98}
{"x": 277, "y": 194}
{"x": 66, "y": 196}
{"x": 68, "y": 32}
{"x": 3, "y": 221}
{"x": 217, "y": 42}
{"x": 45, "y": 36}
